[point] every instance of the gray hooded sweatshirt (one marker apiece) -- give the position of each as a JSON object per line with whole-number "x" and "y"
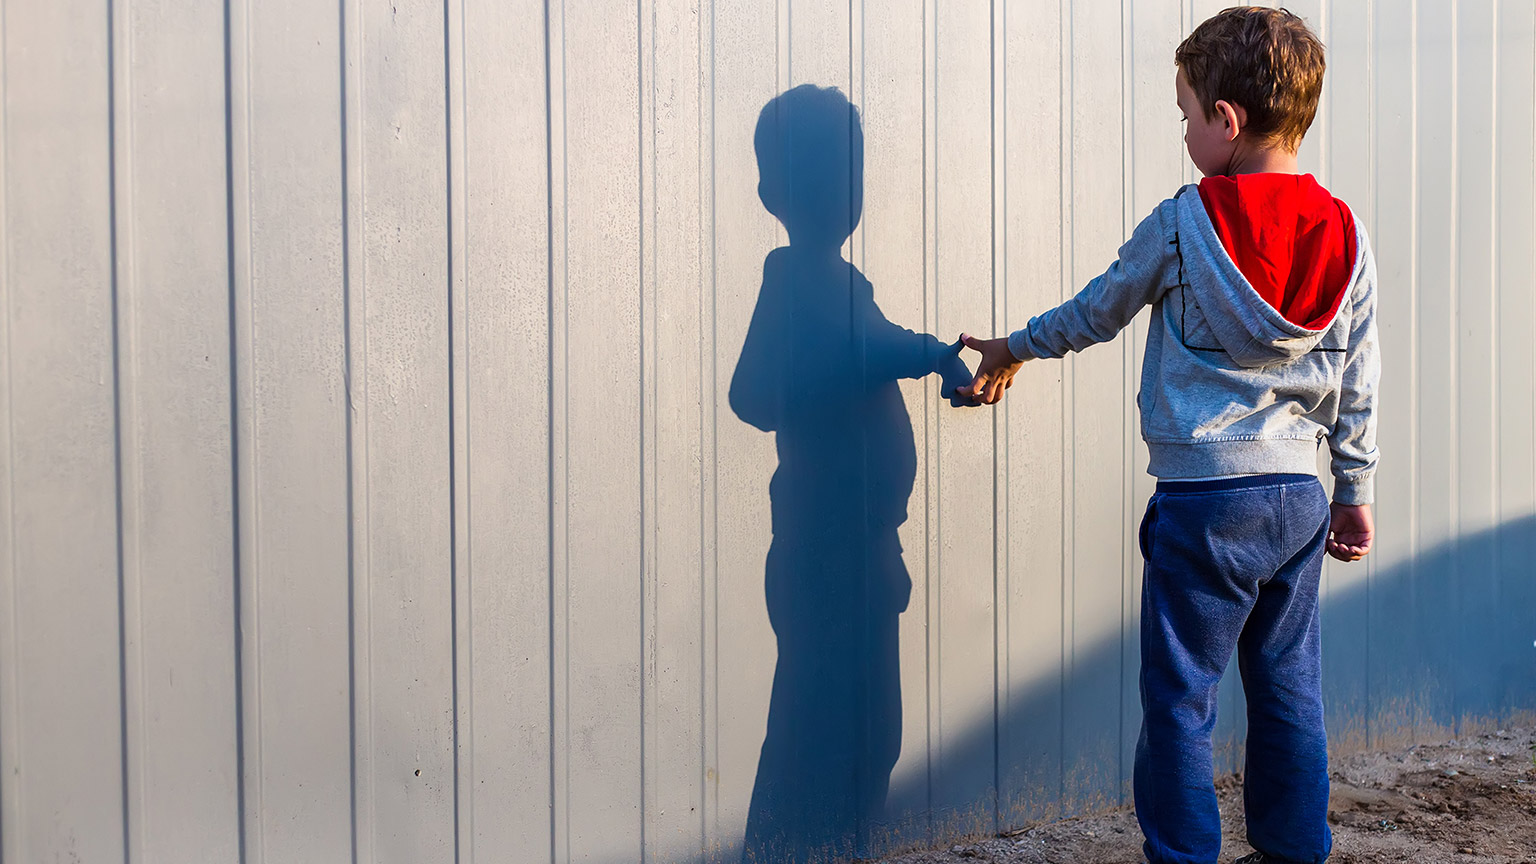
{"x": 1229, "y": 385}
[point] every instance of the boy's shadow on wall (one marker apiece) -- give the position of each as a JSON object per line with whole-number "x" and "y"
{"x": 819, "y": 369}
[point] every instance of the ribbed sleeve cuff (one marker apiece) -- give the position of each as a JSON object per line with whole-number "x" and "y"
{"x": 1018, "y": 345}
{"x": 1352, "y": 493}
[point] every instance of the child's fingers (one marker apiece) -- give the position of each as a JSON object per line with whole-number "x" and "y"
{"x": 1347, "y": 551}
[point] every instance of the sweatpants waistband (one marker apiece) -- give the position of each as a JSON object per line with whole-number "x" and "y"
{"x": 1227, "y": 484}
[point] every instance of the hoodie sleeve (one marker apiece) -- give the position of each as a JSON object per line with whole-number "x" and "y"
{"x": 1107, "y": 304}
{"x": 1353, "y": 442}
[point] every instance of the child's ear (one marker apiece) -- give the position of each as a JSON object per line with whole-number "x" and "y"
{"x": 1233, "y": 118}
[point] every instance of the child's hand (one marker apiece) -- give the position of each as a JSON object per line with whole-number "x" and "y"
{"x": 1350, "y": 531}
{"x": 994, "y": 373}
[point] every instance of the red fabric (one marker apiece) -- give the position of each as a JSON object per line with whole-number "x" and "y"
{"x": 1293, "y": 241}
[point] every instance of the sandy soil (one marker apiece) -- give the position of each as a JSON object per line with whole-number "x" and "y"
{"x": 1468, "y": 801}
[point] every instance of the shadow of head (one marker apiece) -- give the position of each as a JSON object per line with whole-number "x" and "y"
{"x": 810, "y": 161}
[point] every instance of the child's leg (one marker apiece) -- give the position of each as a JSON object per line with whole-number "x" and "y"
{"x": 1285, "y": 784}
{"x": 1207, "y": 546}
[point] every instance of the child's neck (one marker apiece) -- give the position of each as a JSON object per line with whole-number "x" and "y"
{"x": 1262, "y": 160}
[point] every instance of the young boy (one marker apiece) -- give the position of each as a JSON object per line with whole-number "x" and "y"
{"x": 1262, "y": 344}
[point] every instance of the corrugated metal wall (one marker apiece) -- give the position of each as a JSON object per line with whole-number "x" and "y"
{"x": 371, "y": 489}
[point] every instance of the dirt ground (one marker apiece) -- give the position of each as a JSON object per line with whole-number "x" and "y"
{"x": 1468, "y": 801}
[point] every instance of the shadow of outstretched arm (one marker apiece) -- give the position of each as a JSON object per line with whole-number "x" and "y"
{"x": 893, "y": 352}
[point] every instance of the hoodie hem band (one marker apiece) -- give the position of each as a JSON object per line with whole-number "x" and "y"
{"x": 1206, "y": 459}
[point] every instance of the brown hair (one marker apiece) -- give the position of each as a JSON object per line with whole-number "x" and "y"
{"x": 1266, "y": 60}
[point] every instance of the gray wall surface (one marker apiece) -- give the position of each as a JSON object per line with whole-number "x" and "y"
{"x": 371, "y": 487}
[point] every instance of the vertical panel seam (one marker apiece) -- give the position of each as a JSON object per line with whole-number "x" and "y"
{"x": 1373, "y": 188}
{"x": 347, "y": 414}
{"x": 1325, "y": 116}
{"x": 453, "y": 492}
{"x": 649, "y": 559}
{"x": 234, "y": 440}
{"x": 1496, "y": 311}
{"x": 549, "y": 246}
{"x": 714, "y": 416}
{"x": 927, "y": 467}
{"x": 1127, "y": 357}
{"x": 1375, "y": 216}
{"x": 464, "y": 712}
{"x": 565, "y": 410}
{"x": 928, "y": 470}
{"x": 937, "y": 574}
{"x": 1415, "y": 265}
{"x": 705, "y": 405}
{"x": 698, "y": 79}
{"x": 1064, "y": 152}
{"x": 999, "y": 429}
{"x": 650, "y": 408}
{"x": 933, "y": 408}
{"x": 1002, "y": 669}
{"x": 117, "y": 420}
{"x": 643, "y": 415}
{"x": 13, "y": 672}
{"x": 856, "y": 261}
{"x": 1454, "y": 331}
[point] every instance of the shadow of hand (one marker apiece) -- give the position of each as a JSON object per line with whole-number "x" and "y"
{"x": 953, "y": 374}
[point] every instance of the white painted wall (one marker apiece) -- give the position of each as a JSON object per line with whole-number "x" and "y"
{"x": 371, "y": 490}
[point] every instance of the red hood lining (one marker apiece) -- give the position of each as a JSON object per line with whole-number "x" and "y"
{"x": 1291, "y": 239}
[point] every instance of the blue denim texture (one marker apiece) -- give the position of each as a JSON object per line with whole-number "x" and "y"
{"x": 1233, "y": 565}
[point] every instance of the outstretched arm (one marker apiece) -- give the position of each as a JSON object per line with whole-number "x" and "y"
{"x": 1096, "y": 314}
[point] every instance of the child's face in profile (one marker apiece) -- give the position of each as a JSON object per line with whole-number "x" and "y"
{"x": 1211, "y": 141}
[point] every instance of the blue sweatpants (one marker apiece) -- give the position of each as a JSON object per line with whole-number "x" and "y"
{"x": 1233, "y": 564}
